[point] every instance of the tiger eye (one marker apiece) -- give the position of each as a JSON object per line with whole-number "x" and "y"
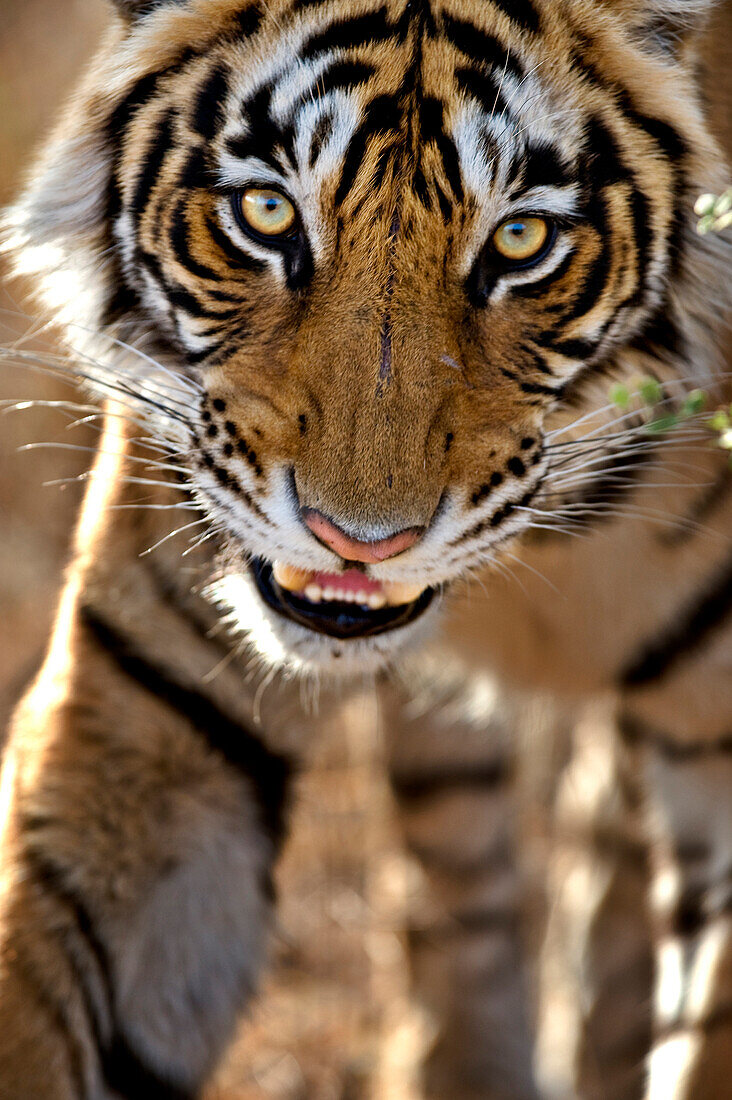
{"x": 519, "y": 239}
{"x": 267, "y": 211}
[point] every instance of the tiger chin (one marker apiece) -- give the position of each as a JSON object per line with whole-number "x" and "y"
{"x": 349, "y": 283}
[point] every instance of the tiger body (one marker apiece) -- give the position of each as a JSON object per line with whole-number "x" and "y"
{"x": 377, "y": 385}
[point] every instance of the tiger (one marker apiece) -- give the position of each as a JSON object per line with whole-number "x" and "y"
{"x": 348, "y": 283}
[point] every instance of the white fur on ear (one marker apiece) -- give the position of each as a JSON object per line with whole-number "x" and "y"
{"x": 669, "y": 23}
{"x": 684, "y": 14}
{"x": 136, "y": 9}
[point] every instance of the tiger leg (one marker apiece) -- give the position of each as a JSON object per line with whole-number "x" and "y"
{"x": 139, "y": 829}
{"x": 452, "y": 773}
{"x": 690, "y": 798}
{"x": 595, "y": 972}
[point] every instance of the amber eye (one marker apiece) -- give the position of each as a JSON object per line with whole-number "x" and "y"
{"x": 269, "y": 213}
{"x": 521, "y": 239}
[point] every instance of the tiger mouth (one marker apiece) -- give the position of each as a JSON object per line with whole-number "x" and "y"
{"x": 346, "y": 606}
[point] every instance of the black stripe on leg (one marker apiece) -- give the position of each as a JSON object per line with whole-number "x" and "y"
{"x": 50, "y": 880}
{"x": 411, "y": 786}
{"x": 130, "y": 1079}
{"x": 717, "y": 1017}
{"x": 701, "y": 616}
{"x": 56, "y": 1010}
{"x": 268, "y": 771}
{"x": 122, "y": 1070}
{"x": 634, "y": 732}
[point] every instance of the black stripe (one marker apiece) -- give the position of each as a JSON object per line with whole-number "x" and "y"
{"x": 546, "y": 282}
{"x": 484, "y": 87}
{"x": 268, "y": 771}
{"x": 131, "y": 1079}
{"x": 157, "y": 150}
{"x": 196, "y": 173}
{"x": 603, "y": 161}
{"x": 343, "y": 74}
{"x": 264, "y": 138}
{"x": 184, "y": 300}
{"x": 714, "y": 1018}
{"x": 141, "y": 92}
{"x": 702, "y": 615}
{"x": 596, "y": 279}
{"x": 431, "y": 113}
{"x": 573, "y": 348}
{"x": 56, "y": 1009}
{"x": 411, "y": 786}
{"x": 51, "y": 879}
{"x": 347, "y": 34}
{"x": 480, "y": 47}
{"x": 236, "y": 257}
{"x": 521, "y": 12}
{"x": 527, "y": 387}
{"x": 178, "y": 236}
{"x": 382, "y": 116}
{"x": 661, "y": 335}
{"x": 543, "y": 167}
{"x": 635, "y": 732}
{"x": 248, "y": 22}
{"x": 209, "y": 101}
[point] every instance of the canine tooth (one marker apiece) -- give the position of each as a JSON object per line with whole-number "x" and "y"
{"x": 375, "y": 601}
{"x": 314, "y": 593}
{"x": 329, "y": 593}
{"x": 397, "y": 593}
{"x": 287, "y": 576}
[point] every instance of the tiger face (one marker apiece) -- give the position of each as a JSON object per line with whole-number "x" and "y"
{"x": 389, "y": 241}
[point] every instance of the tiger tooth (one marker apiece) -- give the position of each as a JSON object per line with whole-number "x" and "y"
{"x": 287, "y": 576}
{"x": 397, "y": 593}
{"x": 314, "y": 593}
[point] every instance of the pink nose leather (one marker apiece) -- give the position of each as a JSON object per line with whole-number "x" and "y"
{"x": 353, "y": 549}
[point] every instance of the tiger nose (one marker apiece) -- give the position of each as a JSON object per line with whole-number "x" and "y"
{"x": 351, "y": 549}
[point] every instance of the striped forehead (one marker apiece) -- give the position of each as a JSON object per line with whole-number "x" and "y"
{"x": 293, "y": 114}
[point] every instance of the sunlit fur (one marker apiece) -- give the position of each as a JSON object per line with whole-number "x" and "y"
{"x": 387, "y": 370}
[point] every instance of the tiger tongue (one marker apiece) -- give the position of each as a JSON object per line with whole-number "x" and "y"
{"x": 377, "y": 593}
{"x": 349, "y": 584}
{"x": 353, "y": 580}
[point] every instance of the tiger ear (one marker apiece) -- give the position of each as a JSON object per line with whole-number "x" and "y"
{"x": 136, "y": 9}
{"x": 678, "y": 16}
{"x": 665, "y": 25}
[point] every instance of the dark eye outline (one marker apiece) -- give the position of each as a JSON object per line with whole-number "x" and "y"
{"x": 521, "y": 265}
{"x": 281, "y": 242}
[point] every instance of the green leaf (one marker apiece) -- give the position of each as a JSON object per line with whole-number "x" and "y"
{"x": 663, "y": 423}
{"x": 695, "y": 403}
{"x": 620, "y": 395}
{"x": 650, "y": 390}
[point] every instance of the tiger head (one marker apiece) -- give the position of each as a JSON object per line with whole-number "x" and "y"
{"x": 383, "y": 244}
